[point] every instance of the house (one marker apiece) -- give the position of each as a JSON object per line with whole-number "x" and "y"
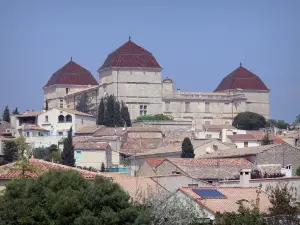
{"x": 88, "y": 130}
{"x": 283, "y": 154}
{"x": 210, "y": 170}
{"x": 93, "y": 154}
{"x": 138, "y": 188}
{"x": 292, "y": 138}
{"x": 211, "y": 200}
{"x": 5, "y": 134}
{"x": 212, "y": 131}
{"x": 243, "y": 140}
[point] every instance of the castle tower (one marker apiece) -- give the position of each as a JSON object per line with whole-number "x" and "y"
{"x": 133, "y": 75}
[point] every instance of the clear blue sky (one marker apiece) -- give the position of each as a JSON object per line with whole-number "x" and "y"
{"x": 197, "y": 43}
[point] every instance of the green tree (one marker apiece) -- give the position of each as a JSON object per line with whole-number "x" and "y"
{"x": 40, "y": 153}
{"x": 65, "y": 197}
{"x": 68, "y": 150}
{"x": 266, "y": 140}
{"x": 125, "y": 114}
{"x": 187, "y": 149}
{"x": 101, "y": 111}
{"x": 109, "y": 111}
{"x": 118, "y": 122}
{"x": 84, "y": 104}
{"x": 249, "y": 121}
{"x": 46, "y": 105}
{"x": 102, "y": 167}
{"x": 298, "y": 171}
{"x": 21, "y": 143}
{"x": 10, "y": 151}
{"x": 16, "y": 111}
{"x": 6, "y": 115}
{"x": 297, "y": 120}
{"x": 281, "y": 124}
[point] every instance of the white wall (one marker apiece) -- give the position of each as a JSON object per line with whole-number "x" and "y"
{"x": 94, "y": 158}
{"x": 240, "y": 144}
{"x": 43, "y": 141}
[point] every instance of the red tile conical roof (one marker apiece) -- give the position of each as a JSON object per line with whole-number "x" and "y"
{"x": 243, "y": 79}
{"x": 130, "y": 55}
{"x": 73, "y": 74}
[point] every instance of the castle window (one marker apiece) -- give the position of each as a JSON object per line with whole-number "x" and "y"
{"x": 187, "y": 107}
{"x": 46, "y": 118}
{"x": 69, "y": 118}
{"x": 207, "y": 108}
{"x": 67, "y": 90}
{"x": 61, "y": 119}
{"x": 143, "y": 110}
{"x": 61, "y": 103}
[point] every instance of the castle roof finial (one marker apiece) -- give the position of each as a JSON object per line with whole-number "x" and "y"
{"x": 71, "y": 58}
{"x": 129, "y": 38}
{"x": 240, "y": 63}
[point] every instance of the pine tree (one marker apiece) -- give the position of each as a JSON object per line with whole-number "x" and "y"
{"x": 84, "y": 104}
{"x": 125, "y": 115}
{"x": 6, "y": 115}
{"x": 187, "y": 149}
{"x": 16, "y": 111}
{"x": 109, "y": 112}
{"x": 68, "y": 151}
{"x": 117, "y": 114}
{"x": 10, "y": 151}
{"x": 102, "y": 167}
{"x": 46, "y": 105}
{"x": 101, "y": 111}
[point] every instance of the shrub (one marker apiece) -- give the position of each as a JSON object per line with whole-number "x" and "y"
{"x": 154, "y": 117}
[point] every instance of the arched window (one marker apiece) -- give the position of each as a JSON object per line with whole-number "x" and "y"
{"x": 68, "y": 118}
{"x": 61, "y": 119}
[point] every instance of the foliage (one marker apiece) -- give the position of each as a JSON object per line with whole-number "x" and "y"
{"x": 281, "y": 124}
{"x": 297, "y": 120}
{"x": 187, "y": 149}
{"x": 6, "y": 115}
{"x": 298, "y": 171}
{"x": 10, "y": 151}
{"x": 249, "y": 121}
{"x": 21, "y": 143}
{"x": 16, "y": 111}
{"x": 68, "y": 150}
{"x": 257, "y": 174}
{"x": 25, "y": 167}
{"x": 117, "y": 114}
{"x": 102, "y": 167}
{"x": 125, "y": 114}
{"x": 40, "y": 153}
{"x": 266, "y": 139}
{"x": 85, "y": 105}
{"x": 65, "y": 197}
{"x": 109, "y": 111}
{"x": 154, "y": 117}
{"x": 48, "y": 154}
{"x": 46, "y": 105}
{"x": 101, "y": 109}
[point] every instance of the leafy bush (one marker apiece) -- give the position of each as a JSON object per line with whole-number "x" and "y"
{"x": 249, "y": 121}
{"x": 154, "y": 117}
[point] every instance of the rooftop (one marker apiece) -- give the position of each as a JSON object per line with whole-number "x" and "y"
{"x": 229, "y": 202}
{"x": 72, "y": 74}
{"x": 241, "y": 78}
{"x": 130, "y": 55}
{"x": 4, "y": 126}
{"x": 91, "y": 145}
{"x": 29, "y": 114}
{"x": 89, "y": 129}
{"x": 75, "y": 112}
{"x": 110, "y": 131}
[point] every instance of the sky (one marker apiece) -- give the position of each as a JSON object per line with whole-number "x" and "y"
{"x": 197, "y": 43}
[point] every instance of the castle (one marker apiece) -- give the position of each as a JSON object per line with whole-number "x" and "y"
{"x": 133, "y": 75}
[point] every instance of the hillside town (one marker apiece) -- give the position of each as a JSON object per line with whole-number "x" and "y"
{"x": 138, "y": 130}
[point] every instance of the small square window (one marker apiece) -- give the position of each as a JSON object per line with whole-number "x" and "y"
{"x": 143, "y": 110}
{"x": 208, "y": 136}
{"x": 78, "y": 155}
{"x": 46, "y": 118}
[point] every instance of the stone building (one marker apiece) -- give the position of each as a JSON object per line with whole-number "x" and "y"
{"x": 134, "y": 76}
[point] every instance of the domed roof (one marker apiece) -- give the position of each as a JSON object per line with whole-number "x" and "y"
{"x": 72, "y": 74}
{"x": 167, "y": 80}
{"x": 243, "y": 79}
{"x": 130, "y": 55}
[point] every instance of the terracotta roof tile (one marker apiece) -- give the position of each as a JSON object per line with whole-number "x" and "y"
{"x": 29, "y": 114}
{"x": 130, "y": 55}
{"x": 75, "y": 112}
{"x": 33, "y": 127}
{"x": 242, "y": 137}
{"x": 110, "y": 131}
{"x": 89, "y": 129}
{"x": 155, "y": 162}
{"x": 4, "y": 126}
{"x": 242, "y": 78}
{"x": 229, "y": 204}
{"x": 137, "y": 145}
{"x": 73, "y": 74}
{"x": 91, "y": 145}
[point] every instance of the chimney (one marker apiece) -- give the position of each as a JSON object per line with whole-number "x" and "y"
{"x": 178, "y": 91}
{"x": 245, "y": 176}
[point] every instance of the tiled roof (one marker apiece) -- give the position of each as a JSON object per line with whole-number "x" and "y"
{"x": 212, "y": 127}
{"x": 242, "y": 137}
{"x": 144, "y": 129}
{"x": 143, "y": 145}
{"x": 33, "y": 127}
{"x": 169, "y": 148}
{"x": 4, "y": 138}
{"x": 110, "y": 131}
{"x": 42, "y": 166}
{"x": 29, "y": 114}
{"x": 240, "y": 152}
{"x": 233, "y": 195}
{"x": 4, "y": 126}
{"x": 243, "y": 79}
{"x": 72, "y": 74}
{"x": 91, "y": 145}
{"x": 83, "y": 91}
{"x": 75, "y": 112}
{"x": 130, "y": 55}
{"x": 89, "y": 129}
{"x": 81, "y": 139}
{"x": 155, "y": 162}
{"x": 278, "y": 140}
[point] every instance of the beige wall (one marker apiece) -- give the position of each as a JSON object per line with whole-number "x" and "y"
{"x": 145, "y": 170}
{"x": 94, "y": 158}
{"x": 72, "y": 100}
{"x": 82, "y": 121}
{"x": 202, "y": 150}
{"x": 258, "y": 102}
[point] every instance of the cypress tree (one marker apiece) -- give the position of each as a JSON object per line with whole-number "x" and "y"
{"x": 101, "y": 111}
{"x": 109, "y": 112}
{"x": 102, "y": 167}
{"x": 187, "y": 149}
{"x": 117, "y": 114}
{"x": 16, "y": 111}
{"x": 68, "y": 151}
{"x": 125, "y": 115}
{"x": 84, "y": 104}
{"x": 6, "y": 115}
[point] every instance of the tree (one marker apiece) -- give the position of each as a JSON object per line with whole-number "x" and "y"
{"x": 249, "y": 121}
{"x": 297, "y": 120}
{"x": 10, "y": 151}
{"x": 101, "y": 109}
{"x": 118, "y": 122}
{"x": 266, "y": 140}
{"x": 65, "y": 197}
{"x": 109, "y": 111}
{"x": 40, "y": 153}
{"x": 84, "y": 104}
{"x": 46, "y": 105}
{"x": 6, "y": 115}
{"x": 187, "y": 149}
{"x": 298, "y": 171}
{"x": 125, "y": 114}
{"x": 68, "y": 150}
{"x": 21, "y": 143}
{"x": 102, "y": 167}
{"x": 16, "y": 111}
